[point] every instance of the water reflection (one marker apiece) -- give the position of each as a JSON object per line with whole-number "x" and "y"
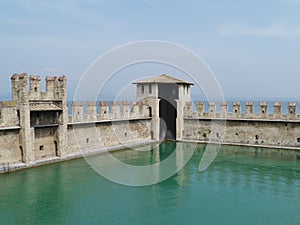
{"x": 237, "y": 181}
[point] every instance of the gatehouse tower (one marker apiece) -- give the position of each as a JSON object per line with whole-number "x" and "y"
{"x": 167, "y": 97}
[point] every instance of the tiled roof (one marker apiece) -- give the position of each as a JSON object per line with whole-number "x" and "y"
{"x": 164, "y": 78}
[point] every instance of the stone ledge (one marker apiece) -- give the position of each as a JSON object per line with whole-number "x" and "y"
{"x": 10, "y": 128}
{"x": 242, "y": 119}
{"x": 108, "y": 121}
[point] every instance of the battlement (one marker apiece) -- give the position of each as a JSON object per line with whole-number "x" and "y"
{"x": 26, "y": 87}
{"x": 104, "y": 110}
{"x": 9, "y": 114}
{"x": 236, "y": 113}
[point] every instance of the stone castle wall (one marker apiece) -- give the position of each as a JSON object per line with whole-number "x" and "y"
{"x": 117, "y": 123}
{"x": 35, "y": 127}
{"x": 247, "y": 128}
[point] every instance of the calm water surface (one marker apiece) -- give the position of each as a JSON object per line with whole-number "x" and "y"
{"x": 236, "y": 189}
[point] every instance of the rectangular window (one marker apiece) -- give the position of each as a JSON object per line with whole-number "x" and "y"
{"x": 143, "y": 89}
{"x": 150, "y": 89}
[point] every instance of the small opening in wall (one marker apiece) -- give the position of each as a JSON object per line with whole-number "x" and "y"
{"x": 22, "y": 154}
{"x": 151, "y": 134}
{"x": 56, "y": 149}
{"x": 217, "y": 135}
{"x": 104, "y": 112}
{"x": 150, "y": 112}
{"x": 35, "y": 89}
{"x": 87, "y": 140}
{"x": 235, "y": 111}
{"x": 41, "y": 147}
{"x": 256, "y": 137}
{"x": 143, "y": 89}
{"x": 78, "y": 113}
{"x": 236, "y": 134}
{"x": 262, "y": 111}
{"x": 150, "y": 89}
{"x": 291, "y": 112}
{"x": 298, "y": 139}
{"x": 125, "y": 134}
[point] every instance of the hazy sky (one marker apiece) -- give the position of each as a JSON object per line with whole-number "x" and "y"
{"x": 253, "y": 47}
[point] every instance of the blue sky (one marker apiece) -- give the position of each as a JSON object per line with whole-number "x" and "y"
{"x": 253, "y": 47}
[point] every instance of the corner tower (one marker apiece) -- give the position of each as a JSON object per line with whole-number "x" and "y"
{"x": 43, "y": 116}
{"x": 166, "y": 96}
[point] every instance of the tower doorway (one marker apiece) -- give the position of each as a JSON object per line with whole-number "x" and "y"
{"x": 167, "y": 93}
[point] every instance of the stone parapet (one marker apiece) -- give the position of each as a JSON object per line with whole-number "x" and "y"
{"x": 55, "y": 87}
{"x": 89, "y": 111}
{"x": 237, "y": 113}
{"x": 9, "y": 114}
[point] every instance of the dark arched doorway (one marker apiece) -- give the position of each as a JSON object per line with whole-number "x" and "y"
{"x": 167, "y": 94}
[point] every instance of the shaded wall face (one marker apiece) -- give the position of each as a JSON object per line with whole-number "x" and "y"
{"x": 43, "y": 117}
{"x": 167, "y": 93}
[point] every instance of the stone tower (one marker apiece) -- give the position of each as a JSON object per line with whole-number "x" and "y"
{"x": 166, "y": 97}
{"x": 43, "y": 116}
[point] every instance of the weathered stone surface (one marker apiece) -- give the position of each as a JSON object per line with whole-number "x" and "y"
{"x": 34, "y": 126}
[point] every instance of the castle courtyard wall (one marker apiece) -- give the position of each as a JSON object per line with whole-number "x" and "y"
{"x": 35, "y": 127}
{"x": 91, "y": 136}
{"x": 10, "y": 151}
{"x": 273, "y": 130}
{"x": 250, "y": 132}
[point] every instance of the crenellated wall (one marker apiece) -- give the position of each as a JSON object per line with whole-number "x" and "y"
{"x": 245, "y": 128}
{"x": 35, "y": 127}
{"x": 8, "y": 114}
{"x": 117, "y": 123}
{"x": 31, "y": 88}
{"x": 236, "y": 113}
{"x": 87, "y": 111}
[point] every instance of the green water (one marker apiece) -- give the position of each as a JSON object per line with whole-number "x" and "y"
{"x": 235, "y": 189}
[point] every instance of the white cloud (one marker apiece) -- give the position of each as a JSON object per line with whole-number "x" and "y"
{"x": 275, "y": 30}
